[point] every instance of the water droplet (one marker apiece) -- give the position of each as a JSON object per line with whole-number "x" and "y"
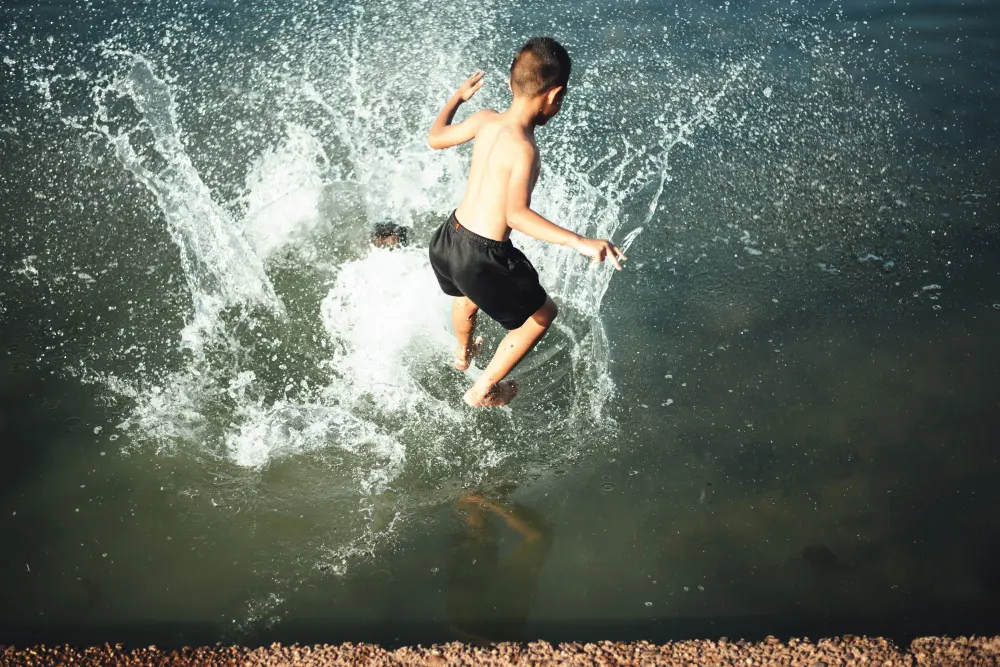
{"x": 686, "y": 588}
{"x": 50, "y": 404}
{"x": 73, "y": 423}
{"x": 649, "y": 604}
{"x": 608, "y": 486}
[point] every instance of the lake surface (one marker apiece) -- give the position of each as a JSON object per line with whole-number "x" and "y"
{"x": 227, "y": 417}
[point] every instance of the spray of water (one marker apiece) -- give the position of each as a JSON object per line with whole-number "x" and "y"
{"x": 221, "y": 269}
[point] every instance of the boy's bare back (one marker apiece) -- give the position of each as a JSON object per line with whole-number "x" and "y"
{"x": 501, "y": 151}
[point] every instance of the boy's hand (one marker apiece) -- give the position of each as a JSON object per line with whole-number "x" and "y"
{"x": 471, "y": 86}
{"x": 599, "y": 250}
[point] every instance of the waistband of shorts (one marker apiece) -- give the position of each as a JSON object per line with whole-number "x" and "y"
{"x": 457, "y": 227}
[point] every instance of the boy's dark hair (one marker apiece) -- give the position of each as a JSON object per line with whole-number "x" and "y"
{"x": 540, "y": 65}
{"x": 389, "y": 234}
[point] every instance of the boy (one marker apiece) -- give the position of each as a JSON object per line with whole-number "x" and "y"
{"x": 471, "y": 253}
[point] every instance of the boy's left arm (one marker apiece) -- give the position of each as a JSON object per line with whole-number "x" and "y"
{"x": 445, "y": 135}
{"x": 523, "y": 219}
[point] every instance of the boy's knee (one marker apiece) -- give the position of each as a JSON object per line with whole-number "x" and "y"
{"x": 466, "y": 304}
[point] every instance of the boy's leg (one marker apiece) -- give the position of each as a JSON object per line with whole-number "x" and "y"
{"x": 463, "y": 319}
{"x": 488, "y": 389}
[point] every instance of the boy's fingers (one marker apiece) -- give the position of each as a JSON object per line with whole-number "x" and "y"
{"x": 617, "y": 251}
{"x": 613, "y": 254}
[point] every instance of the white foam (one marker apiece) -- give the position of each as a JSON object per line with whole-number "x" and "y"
{"x": 284, "y": 188}
{"x": 285, "y": 428}
{"x": 387, "y": 318}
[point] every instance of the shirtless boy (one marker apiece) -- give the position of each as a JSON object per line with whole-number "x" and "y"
{"x": 471, "y": 253}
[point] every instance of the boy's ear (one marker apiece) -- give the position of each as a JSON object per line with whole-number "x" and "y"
{"x": 555, "y": 94}
{"x": 510, "y": 86}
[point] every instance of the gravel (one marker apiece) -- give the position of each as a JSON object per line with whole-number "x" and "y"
{"x": 838, "y": 652}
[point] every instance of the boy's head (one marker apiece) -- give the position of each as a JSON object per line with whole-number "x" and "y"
{"x": 540, "y": 72}
{"x": 389, "y": 235}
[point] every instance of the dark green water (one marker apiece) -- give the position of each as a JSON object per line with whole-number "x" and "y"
{"x": 226, "y": 418}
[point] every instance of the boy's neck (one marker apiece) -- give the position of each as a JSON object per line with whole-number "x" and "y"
{"x": 524, "y": 112}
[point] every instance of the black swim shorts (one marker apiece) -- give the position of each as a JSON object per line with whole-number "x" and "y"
{"x": 495, "y": 275}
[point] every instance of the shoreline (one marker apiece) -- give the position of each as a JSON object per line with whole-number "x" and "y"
{"x": 843, "y": 651}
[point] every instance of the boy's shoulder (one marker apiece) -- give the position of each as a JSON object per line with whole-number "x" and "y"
{"x": 515, "y": 141}
{"x": 484, "y": 116}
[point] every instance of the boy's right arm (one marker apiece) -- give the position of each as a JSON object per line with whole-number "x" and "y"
{"x": 523, "y": 219}
{"x": 445, "y": 135}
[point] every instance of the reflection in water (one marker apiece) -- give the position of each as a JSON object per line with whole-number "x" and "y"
{"x": 489, "y": 597}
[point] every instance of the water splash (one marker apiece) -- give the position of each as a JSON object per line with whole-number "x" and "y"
{"x": 220, "y": 268}
{"x": 284, "y": 192}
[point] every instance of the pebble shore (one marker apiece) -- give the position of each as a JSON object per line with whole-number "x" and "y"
{"x": 844, "y": 651}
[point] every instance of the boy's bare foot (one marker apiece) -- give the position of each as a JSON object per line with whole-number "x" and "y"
{"x": 465, "y": 354}
{"x": 501, "y": 393}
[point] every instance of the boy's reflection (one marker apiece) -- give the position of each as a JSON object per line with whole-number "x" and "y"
{"x": 489, "y": 598}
